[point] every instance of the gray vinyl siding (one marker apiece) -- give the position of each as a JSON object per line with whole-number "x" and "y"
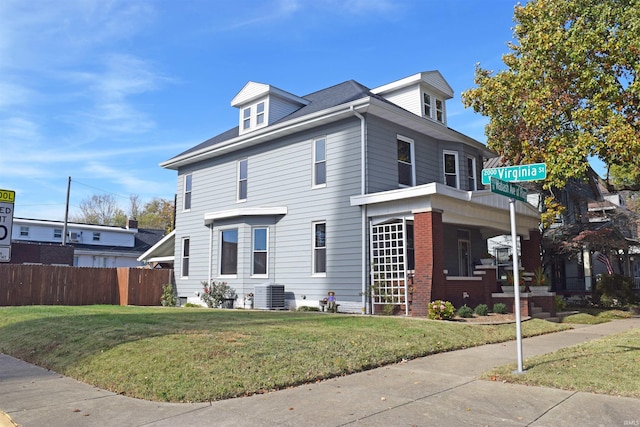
{"x": 382, "y": 155}
{"x": 280, "y": 175}
{"x": 279, "y": 108}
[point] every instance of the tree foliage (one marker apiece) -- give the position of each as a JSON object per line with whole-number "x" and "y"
{"x": 101, "y": 209}
{"x": 104, "y": 210}
{"x": 570, "y": 90}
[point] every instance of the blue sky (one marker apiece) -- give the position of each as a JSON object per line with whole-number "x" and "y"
{"x": 103, "y": 91}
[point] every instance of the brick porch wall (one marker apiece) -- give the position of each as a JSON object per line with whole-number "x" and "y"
{"x": 429, "y": 278}
{"x": 531, "y": 251}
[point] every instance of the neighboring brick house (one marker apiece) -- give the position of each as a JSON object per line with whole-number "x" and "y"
{"x": 364, "y": 192}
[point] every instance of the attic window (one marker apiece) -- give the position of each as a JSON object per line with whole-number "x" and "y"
{"x": 439, "y": 113}
{"x": 426, "y": 100}
{"x": 246, "y": 118}
{"x": 260, "y": 113}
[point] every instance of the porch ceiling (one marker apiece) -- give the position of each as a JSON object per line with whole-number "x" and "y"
{"x": 481, "y": 209}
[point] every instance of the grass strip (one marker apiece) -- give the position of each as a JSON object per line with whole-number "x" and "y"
{"x": 196, "y": 355}
{"x": 609, "y": 365}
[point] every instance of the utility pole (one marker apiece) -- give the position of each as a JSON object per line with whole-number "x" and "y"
{"x": 66, "y": 214}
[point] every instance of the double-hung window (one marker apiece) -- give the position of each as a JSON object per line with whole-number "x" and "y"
{"x": 406, "y": 171}
{"x": 96, "y": 236}
{"x": 320, "y": 162}
{"x": 426, "y": 102}
{"x": 24, "y": 231}
{"x": 243, "y": 171}
{"x": 439, "y": 110}
{"x": 260, "y": 113}
{"x": 450, "y": 160}
{"x": 57, "y": 233}
{"x": 319, "y": 248}
{"x": 229, "y": 252}
{"x": 186, "y": 202}
{"x": 471, "y": 173}
{"x": 260, "y": 251}
{"x": 185, "y": 257}
{"x": 246, "y": 118}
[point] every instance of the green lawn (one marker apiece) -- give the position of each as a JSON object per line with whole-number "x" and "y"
{"x": 195, "y": 355}
{"x": 609, "y": 365}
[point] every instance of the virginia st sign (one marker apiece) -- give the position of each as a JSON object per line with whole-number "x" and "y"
{"x": 520, "y": 173}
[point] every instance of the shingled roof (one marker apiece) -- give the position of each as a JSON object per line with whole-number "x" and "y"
{"x": 320, "y": 100}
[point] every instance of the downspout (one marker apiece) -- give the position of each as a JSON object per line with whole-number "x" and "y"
{"x": 363, "y": 211}
{"x": 210, "y": 253}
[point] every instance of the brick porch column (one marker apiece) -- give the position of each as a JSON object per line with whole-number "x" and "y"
{"x": 429, "y": 278}
{"x": 531, "y": 251}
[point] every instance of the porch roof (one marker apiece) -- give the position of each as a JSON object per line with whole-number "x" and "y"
{"x": 482, "y": 209}
{"x": 163, "y": 251}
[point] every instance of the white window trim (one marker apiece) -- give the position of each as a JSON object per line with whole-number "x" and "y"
{"x": 313, "y": 166}
{"x": 413, "y": 160}
{"x": 57, "y": 233}
{"x": 253, "y": 250}
{"x": 186, "y": 238}
{"x": 228, "y": 276}
{"x": 444, "y": 171}
{"x": 313, "y": 248}
{"x": 96, "y": 236}
{"x": 239, "y": 180}
{"x": 184, "y": 192}
{"x": 474, "y": 172}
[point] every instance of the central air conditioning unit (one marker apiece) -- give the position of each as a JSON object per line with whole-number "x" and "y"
{"x": 269, "y": 296}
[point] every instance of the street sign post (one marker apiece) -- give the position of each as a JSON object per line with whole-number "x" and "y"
{"x": 508, "y": 189}
{"x": 7, "y": 198}
{"x": 520, "y": 173}
{"x": 501, "y": 181}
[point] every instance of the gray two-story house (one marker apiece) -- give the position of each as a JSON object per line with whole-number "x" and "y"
{"x": 363, "y": 192}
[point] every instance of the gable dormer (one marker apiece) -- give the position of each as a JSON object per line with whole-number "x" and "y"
{"x": 424, "y": 94}
{"x": 261, "y": 105}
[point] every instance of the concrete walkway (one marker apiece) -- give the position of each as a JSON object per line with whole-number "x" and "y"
{"x": 438, "y": 390}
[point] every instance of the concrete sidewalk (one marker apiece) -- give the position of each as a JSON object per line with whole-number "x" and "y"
{"x": 440, "y": 390}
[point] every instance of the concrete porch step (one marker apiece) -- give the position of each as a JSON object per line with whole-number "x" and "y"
{"x": 541, "y": 315}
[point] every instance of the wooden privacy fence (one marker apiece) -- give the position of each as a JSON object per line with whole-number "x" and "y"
{"x": 22, "y": 284}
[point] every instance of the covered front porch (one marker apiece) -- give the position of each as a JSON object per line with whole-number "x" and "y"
{"x": 426, "y": 243}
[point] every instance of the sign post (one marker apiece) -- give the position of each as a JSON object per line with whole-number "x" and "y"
{"x": 501, "y": 181}
{"x": 7, "y": 199}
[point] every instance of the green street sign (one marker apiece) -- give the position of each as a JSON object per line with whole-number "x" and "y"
{"x": 520, "y": 173}
{"x": 508, "y": 189}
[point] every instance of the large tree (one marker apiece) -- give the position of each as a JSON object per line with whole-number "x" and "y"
{"x": 103, "y": 209}
{"x": 100, "y": 209}
{"x": 570, "y": 90}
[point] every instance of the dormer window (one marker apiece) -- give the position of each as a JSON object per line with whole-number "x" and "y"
{"x": 253, "y": 116}
{"x": 246, "y": 118}
{"x": 426, "y": 99}
{"x": 260, "y": 113}
{"x": 439, "y": 112}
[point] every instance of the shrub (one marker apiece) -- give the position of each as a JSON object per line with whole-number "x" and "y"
{"x": 441, "y": 310}
{"x": 190, "y": 304}
{"x": 465, "y": 311}
{"x": 561, "y": 304}
{"x": 482, "y": 310}
{"x": 169, "y": 297}
{"x": 614, "y": 290}
{"x": 215, "y": 293}
{"x": 308, "y": 308}
{"x": 499, "y": 308}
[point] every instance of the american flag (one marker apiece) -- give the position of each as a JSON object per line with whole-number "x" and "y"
{"x": 605, "y": 260}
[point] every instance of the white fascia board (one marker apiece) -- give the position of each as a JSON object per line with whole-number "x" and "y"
{"x": 210, "y": 217}
{"x": 267, "y": 133}
{"x": 74, "y": 225}
{"x": 169, "y": 239}
{"x": 159, "y": 259}
{"x": 416, "y": 79}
